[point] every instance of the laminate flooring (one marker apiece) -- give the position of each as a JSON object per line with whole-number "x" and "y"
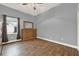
{"x": 37, "y": 47}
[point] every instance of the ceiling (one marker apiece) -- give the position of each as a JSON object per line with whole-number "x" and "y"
{"x": 40, "y": 8}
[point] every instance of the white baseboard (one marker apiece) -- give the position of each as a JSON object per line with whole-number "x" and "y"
{"x": 11, "y": 41}
{"x": 72, "y": 46}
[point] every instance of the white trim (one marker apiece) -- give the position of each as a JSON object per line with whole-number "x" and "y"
{"x": 11, "y": 41}
{"x": 59, "y": 42}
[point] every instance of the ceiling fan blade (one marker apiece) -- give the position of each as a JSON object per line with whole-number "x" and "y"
{"x": 39, "y": 3}
{"x": 24, "y": 3}
{"x": 28, "y": 3}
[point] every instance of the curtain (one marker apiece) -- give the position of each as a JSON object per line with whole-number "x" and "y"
{"x": 18, "y": 34}
{"x": 4, "y": 30}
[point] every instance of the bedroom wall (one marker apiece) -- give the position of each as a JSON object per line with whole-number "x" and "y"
{"x": 59, "y": 24}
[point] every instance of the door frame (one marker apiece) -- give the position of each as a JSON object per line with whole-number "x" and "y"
{"x": 17, "y": 25}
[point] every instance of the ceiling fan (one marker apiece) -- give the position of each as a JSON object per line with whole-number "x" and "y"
{"x": 34, "y": 4}
{"x": 30, "y": 3}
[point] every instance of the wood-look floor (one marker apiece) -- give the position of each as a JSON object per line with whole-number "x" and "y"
{"x": 37, "y": 47}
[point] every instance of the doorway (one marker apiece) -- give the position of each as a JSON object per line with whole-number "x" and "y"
{"x": 9, "y": 28}
{"x": 12, "y": 28}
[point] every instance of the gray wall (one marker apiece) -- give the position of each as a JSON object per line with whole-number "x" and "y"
{"x": 59, "y": 24}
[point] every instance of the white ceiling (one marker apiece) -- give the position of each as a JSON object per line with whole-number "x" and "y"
{"x": 29, "y": 8}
